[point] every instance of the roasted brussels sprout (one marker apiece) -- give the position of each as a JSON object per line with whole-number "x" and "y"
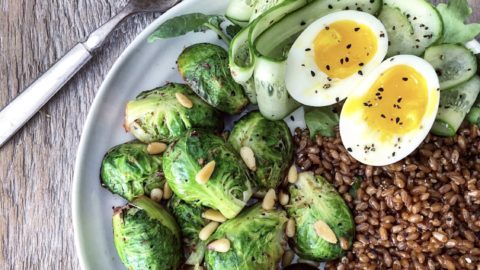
{"x": 313, "y": 202}
{"x": 205, "y": 68}
{"x": 257, "y": 240}
{"x": 189, "y": 218}
{"x": 130, "y": 171}
{"x": 157, "y": 115}
{"x": 228, "y": 188}
{"x": 271, "y": 143}
{"x": 146, "y": 236}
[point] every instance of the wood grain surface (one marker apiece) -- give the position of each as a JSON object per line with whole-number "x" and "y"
{"x": 36, "y": 166}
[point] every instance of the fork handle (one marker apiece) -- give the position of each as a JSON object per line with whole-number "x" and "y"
{"x": 29, "y": 102}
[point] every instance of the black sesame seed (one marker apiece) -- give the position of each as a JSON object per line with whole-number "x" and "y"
{"x": 356, "y": 29}
{"x": 383, "y": 115}
{"x": 329, "y": 79}
{"x": 330, "y": 6}
{"x": 349, "y": 46}
{"x": 312, "y": 73}
{"x": 393, "y": 28}
{"x": 397, "y": 120}
{"x": 337, "y": 99}
{"x": 349, "y": 149}
{"x": 361, "y": 64}
{"x": 347, "y": 59}
{"x": 327, "y": 28}
{"x": 303, "y": 23}
{"x": 360, "y": 73}
{"x": 326, "y": 86}
{"x": 399, "y": 100}
{"x": 341, "y": 61}
{"x": 380, "y": 89}
{"x": 405, "y": 79}
{"x": 393, "y": 154}
{"x": 328, "y": 67}
{"x": 308, "y": 49}
{"x": 382, "y": 35}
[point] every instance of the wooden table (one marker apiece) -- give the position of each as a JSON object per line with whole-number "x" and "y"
{"x": 36, "y": 167}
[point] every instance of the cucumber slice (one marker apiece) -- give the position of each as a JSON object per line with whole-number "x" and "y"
{"x": 240, "y": 11}
{"x": 453, "y": 63}
{"x": 274, "y": 102}
{"x": 474, "y": 115}
{"x": 279, "y": 37}
{"x": 425, "y": 20}
{"x": 240, "y": 57}
{"x": 454, "y": 106}
{"x": 399, "y": 30}
{"x": 262, "y": 6}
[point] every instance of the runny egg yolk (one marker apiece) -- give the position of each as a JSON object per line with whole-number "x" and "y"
{"x": 395, "y": 104}
{"x": 343, "y": 47}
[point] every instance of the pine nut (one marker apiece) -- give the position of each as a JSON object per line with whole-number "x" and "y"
{"x": 287, "y": 258}
{"x": 269, "y": 200}
{"x": 283, "y": 198}
{"x": 184, "y": 100}
{"x": 292, "y": 174}
{"x": 248, "y": 157}
{"x": 156, "y": 194}
{"x": 220, "y": 245}
{"x": 208, "y": 230}
{"x": 214, "y": 215}
{"x": 205, "y": 173}
{"x": 290, "y": 228}
{"x": 156, "y": 148}
{"x": 167, "y": 191}
{"x": 344, "y": 243}
{"x": 325, "y": 232}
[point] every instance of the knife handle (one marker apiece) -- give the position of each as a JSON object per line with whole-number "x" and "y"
{"x": 29, "y": 102}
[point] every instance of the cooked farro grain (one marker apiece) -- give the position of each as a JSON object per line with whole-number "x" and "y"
{"x": 420, "y": 213}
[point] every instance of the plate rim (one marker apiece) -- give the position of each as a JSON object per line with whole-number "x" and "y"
{"x": 80, "y": 160}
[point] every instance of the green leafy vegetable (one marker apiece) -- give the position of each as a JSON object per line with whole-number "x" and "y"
{"x": 271, "y": 143}
{"x": 229, "y": 187}
{"x": 157, "y": 115}
{"x": 313, "y": 199}
{"x": 474, "y": 115}
{"x": 454, "y": 15}
{"x": 321, "y": 121}
{"x": 357, "y": 183}
{"x": 146, "y": 236}
{"x": 183, "y": 24}
{"x": 204, "y": 67}
{"x": 130, "y": 171}
{"x": 189, "y": 218}
{"x": 257, "y": 238}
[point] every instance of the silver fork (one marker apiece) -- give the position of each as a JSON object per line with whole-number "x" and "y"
{"x": 29, "y": 102}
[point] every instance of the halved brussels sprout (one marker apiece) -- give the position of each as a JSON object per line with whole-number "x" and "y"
{"x": 146, "y": 236}
{"x": 313, "y": 199}
{"x": 205, "y": 68}
{"x": 189, "y": 218}
{"x": 229, "y": 187}
{"x": 271, "y": 143}
{"x": 257, "y": 241}
{"x": 157, "y": 115}
{"x": 130, "y": 171}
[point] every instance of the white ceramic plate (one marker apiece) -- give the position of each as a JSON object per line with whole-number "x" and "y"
{"x": 141, "y": 67}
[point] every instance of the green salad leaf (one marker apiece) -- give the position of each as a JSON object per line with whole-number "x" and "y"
{"x": 181, "y": 25}
{"x": 321, "y": 121}
{"x": 454, "y": 15}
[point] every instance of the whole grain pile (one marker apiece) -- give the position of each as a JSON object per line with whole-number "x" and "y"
{"x": 420, "y": 213}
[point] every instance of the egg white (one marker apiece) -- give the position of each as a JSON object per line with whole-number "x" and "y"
{"x": 364, "y": 143}
{"x": 320, "y": 90}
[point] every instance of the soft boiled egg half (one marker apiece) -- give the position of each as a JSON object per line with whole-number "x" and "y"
{"x": 391, "y": 111}
{"x": 332, "y": 55}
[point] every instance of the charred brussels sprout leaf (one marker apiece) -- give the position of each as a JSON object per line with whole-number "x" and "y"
{"x": 205, "y": 68}
{"x": 157, "y": 115}
{"x": 129, "y": 171}
{"x": 270, "y": 141}
{"x": 229, "y": 187}
{"x": 189, "y": 218}
{"x": 146, "y": 236}
{"x": 313, "y": 199}
{"x": 256, "y": 239}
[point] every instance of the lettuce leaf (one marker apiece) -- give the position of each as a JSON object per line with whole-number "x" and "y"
{"x": 454, "y": 15}
{"x": 321, "y": 121}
